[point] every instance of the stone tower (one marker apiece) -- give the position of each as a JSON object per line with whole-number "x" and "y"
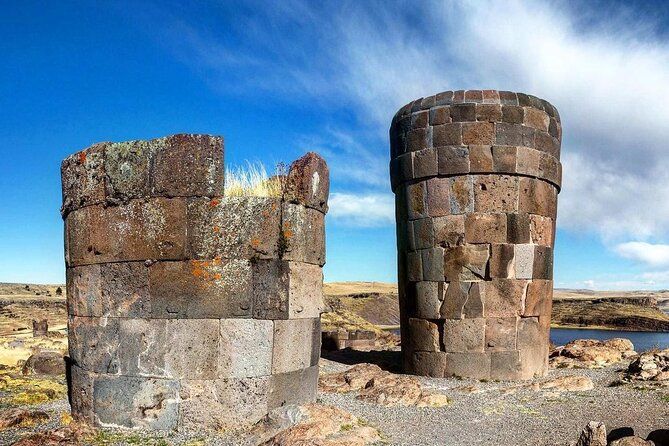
{"x": 476, "y": 175}
{"x": 189, "y": 309}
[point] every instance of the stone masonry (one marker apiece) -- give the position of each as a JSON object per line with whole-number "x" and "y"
{"x": 476, "y": 175}
{"x": 188, "y": 309}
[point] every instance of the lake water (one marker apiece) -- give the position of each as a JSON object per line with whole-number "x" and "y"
{"x": 642, "y": 340}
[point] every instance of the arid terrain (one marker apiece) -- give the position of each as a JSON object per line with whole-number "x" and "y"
{"x": 407, "y": 411}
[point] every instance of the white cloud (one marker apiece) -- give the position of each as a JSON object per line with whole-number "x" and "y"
{"x": 654, "y": 255}
{"x": 367, "y": 210}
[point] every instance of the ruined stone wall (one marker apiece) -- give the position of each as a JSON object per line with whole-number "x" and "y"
{"x": 189, "y": 309}
{"x": 476, "y": 176}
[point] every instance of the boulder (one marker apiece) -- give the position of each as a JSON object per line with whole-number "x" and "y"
{"x": 572, "y": 383}
{"x": 652, "y": 365}
{"x": 590, "y": 353}
{"x": 631, "y": 441}
{"x": 44, "y": 363}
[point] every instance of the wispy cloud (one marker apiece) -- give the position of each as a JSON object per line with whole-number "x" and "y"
{"x": 366, "y": 210}
{"x": 654, "y": 255}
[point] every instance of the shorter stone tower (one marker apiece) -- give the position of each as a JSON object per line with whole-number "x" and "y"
{"x": 189, "y": 309}
{"x": 476, "y": 175}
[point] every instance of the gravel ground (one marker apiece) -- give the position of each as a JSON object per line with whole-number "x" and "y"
{"x": 525, "y": 417}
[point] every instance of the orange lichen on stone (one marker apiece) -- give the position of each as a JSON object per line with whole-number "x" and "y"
{"x": 255, "y": 242}
{"x": 215, "y": 202}
{"x": 82, "y": 157}
{"x": 216, "y": 229}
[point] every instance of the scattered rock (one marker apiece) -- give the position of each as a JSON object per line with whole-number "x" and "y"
{"x": 652, "y": 365}
{"x": 72, "y": 435}
{"x": 590, "y": 353}
{"x": 594, "y": 434}
{"x": 571, "y": 383}
{"x": 44, "y": 363}
{"x": 14, "y": 417}
{"x": 381, "y": 387}
{"x": 326, "y": 426}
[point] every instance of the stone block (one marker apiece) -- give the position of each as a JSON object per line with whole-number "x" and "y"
{"x": 539, "y": 299}
{"x": 282, "y": 290}
{"x": 453, "y": 160}
{"x": 504, "y": 159}
{"x": 533, "y": 346}
{"x": 518, "y": 228}
{"x": 308, "y": 182}
{"x": 468, "y": 262}
{"x": 502, "y": 261}
{"x": 537, "y": 119}
{"x": 473, "y": 96}
{"x": 537, "y": 197}
{"x": 480, "y": 159}
{"x": 461, "y": 194}
{"x": 544, "y": 142}
{"x": 463, "y": 112}
{"x": 302, "y": 236}
{"x": 444, "y": 98}
{"x": 555, "y": 128}
{"x": 485, "y": 228}
{"x": 468, "y": 365}
{"x": 449, "y": 230}
{"x": 447, "y": 134}
{"x": 142, "y": 229}
{"x": 433, "y": 264}
{"x": 490, "y": 96}
{"x": 527, "y": 161}
{"x": 475, "y": 306}
{"x": 549, "y": 168}
{"x": 84, "y": 291}
{"x": 500, "y": 333}
{"x": 425, "y": 163}
{"x": 293, "y": 344}
{"x": 524, "y": 260}
{"x": 414, "y": 267}
{"x": 234, "y": 227}
{"x": 488, "y": 112}
{"x": 429, "y": 364}
{"x": 423, "y": 335}
{"x": 513, "y": 114}
{"x": 419, "y": 119}
{"x": 464, "y": 335}
{"x": 495, "y": 193}
{"x": 541, "y": 230}
{"x": 80, "y": 393}
{"x": 438, "y": 197}
{"x": 222, "y": 404}
{"x": 455, "y": 298}
{"x": 458, "y": 97}
{"x": 406, "y": 167}
{"x": 93, "y": 343}
{"x": 543, "y": 263}
{"x": 83, "y": 178}
{"x": 504, "y": 297}
{"x": 125, "y": 289}
{"x": 416, "y": 203}
{"x": 440, "y": 115}
{"x": 428, "y": 299}
{"x": 478, "y": 133}
{"x": 245, "y": 348}
{"x": 417, "y": 139}
{"x": 423, "y": 230}
{"x": 132, "y": 402}
{"x": 514, "y": 135}
{"x": 505, "y": 365}
{"x": 296, "y": 387}
{"x": 508, "y": 98}
{"x": 216, "y": 288}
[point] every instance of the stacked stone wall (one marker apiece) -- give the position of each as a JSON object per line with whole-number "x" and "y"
{"x": 476, "y": 175}
{"x": 189, "y": 309}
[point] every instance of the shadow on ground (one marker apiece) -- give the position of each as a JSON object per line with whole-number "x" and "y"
{"x": 386, "y": 359}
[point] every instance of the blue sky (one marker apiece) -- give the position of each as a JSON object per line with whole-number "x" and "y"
{"x": 278, "y": 79}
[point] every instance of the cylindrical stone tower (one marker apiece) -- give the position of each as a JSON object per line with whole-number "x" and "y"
{"x": 476, "y": 175}
{"x": 189, "y": 309}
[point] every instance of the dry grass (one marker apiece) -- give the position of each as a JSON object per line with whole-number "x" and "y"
{"x": 252, "y": 180}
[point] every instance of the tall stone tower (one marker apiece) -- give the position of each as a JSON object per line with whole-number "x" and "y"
{"x": 189, "y": 309}
{"x": 476, "y": 175}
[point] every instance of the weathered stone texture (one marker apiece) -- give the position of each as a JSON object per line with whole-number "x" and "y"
{"x": 189, "y": 309}
{"x": 476, "y": 175}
